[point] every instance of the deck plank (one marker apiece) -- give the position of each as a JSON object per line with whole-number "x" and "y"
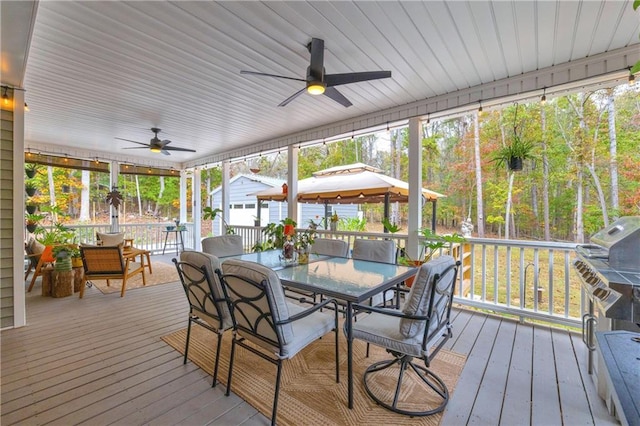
{"x": 459, "y": 409}
{"x": 490, "y": 397}
{"x": 516, "y": 408}
{"x": 545, "y": 399}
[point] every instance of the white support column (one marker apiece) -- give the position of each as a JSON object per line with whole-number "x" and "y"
{"x": 114, "y": 173}
{"x": 292, "y": 182}
{"x": 415, "y": 186}
{"x": 196, "y": 208}
{"x": 19, "y": 309}
{"x": 184, "y": 176}
{"x": 226, "y": 176}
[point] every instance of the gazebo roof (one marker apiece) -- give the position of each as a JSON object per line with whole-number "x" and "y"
{"x": 350, "y": 184}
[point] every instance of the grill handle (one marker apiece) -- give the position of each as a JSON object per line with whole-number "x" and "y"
{"x": 588, "y": 324}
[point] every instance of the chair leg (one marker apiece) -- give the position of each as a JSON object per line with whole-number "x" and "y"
{"x": 275, "y": 398}
{"x": 186, "y": 344}
{"x": 337, "y": 349}
{"x": 124, "y": 286}
{"x": 404, "y": 362}
{"x": 233, "y": 351}
{"x": 26, "y": 275}
{"x": 36, "y": 273}
{"x": 215, "y": 367}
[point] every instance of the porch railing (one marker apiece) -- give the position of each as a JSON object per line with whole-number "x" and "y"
{"x": 526, "y": 279}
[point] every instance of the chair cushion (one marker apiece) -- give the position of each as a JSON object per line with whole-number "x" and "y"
{"x": 418, "y": 299}
{"x": 258, "y": 273}
{"x": 109, "y": 240}
{"x": 330, "y": 247}
{"x": 307, "y": 329}
{"x": 223, "y": 245}
{"x": 374, "y": 250}
{"x": 384, "y": 330}
{"x": 211, "y": 263}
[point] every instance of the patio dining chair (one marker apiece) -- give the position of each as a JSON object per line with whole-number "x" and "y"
{"x": 383, "y": 251}
{"x": 107, "y": 263}
{"x": 418, "y": 331}
{"x": 207, "y": 306}
{"x": 266, "y": 324}
{"x": 223, "y": 245}
{"x": 330, "y": 247}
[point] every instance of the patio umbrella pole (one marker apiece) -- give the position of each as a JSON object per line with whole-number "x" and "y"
{"x": 326, "y": 214}
{"x": 433, "y": 215}
{"x": 386, "y": 211}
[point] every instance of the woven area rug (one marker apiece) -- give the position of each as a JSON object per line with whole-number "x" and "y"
{"x": 162, "y": 273}
{"x": 309, "y": 393}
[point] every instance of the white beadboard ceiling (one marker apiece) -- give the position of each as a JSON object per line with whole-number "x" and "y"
{"x": 100, "y": 70}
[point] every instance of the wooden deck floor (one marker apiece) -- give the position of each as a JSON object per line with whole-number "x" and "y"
{"x": 100, "y": 360}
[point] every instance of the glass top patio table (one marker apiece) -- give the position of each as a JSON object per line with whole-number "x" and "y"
{"x": 353, "y": 281}
{"x": 271, "y": 259}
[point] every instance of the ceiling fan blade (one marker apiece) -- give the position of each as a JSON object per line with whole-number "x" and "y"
{"x": 292, "y": 97}
{"x": 316, "y": 66}
{"x": 337, "y": 96}
{"x": 165, "y": 152}
{"x": 271, "y": 75}
{"x": 354, "y": 77}
{"x": 129, "y": 140}
{"x": 175, "y": 148}
{"x": 136, "y": 147}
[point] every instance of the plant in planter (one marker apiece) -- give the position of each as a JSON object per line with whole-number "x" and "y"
{"x": 211, "y": 214}
{"x": 30, "y": 188}
{"x": 32, "y": 220}
{"x": 54, "y": 235}
{"x": 63, "y": 255}
{"x": 514, "y": 153}
{"x": 30, "y": 169}
{"x": 31, "y": 208}
{"x": 434, "y": 242}
{"x": 275, "y": 235}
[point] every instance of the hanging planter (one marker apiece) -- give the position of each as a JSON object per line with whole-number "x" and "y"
{"x": 30, "y": 170}
{"x": 30, "y": 189}
{"x": 514, "y": 153}
{"x": 31, "y": 208}
{"x": 515, "y": 164}
{"x": 31, "y": 227}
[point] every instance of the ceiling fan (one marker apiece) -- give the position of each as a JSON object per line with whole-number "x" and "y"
{"x": 318, "y": 83}
{"x": 156, "y": 145}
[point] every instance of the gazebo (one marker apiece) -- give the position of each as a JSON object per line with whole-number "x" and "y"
{"x": 356, "y": 183}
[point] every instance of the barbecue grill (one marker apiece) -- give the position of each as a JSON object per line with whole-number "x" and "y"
{"x": 609, "y": 272}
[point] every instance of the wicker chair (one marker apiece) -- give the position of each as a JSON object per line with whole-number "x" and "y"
{"x": 418, "y": 331}
{"x": 107, "y": 263}
{"x": 207, "y": 306}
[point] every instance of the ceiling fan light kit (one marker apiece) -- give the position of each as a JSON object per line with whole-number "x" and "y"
{"x": 317, "y": 83}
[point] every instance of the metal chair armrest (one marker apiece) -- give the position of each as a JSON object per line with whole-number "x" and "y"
{"x": 309, "y": 311}
{"x": 390, "y": 312}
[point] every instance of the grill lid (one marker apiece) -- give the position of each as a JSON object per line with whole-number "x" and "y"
{"x": 619, "y": 242}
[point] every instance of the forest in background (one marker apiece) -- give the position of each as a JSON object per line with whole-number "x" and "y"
{"x": 584, "y": 170}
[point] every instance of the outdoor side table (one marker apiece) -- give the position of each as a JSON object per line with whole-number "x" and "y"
{"x": 177, "y": 239}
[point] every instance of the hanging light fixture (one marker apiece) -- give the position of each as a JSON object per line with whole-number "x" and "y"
{"x": 5, "y": 97}
{"x": 480, "y": 106}
{"x": 26, "y": 107}
{"x": 543, "y": 99}
{"x": 632, "y": 79}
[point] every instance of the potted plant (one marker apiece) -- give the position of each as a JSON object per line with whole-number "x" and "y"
{"x": 333, "y": 223}
{"x": 211, "y": 214}
{"x": 54, "y": 235}
{"x": 32, "y": 220}
{"x": 303, "y": 241}
{"x": 512, "y": 155}
{"x": 434, "y": 242}
{"x": 30, "y": 169}
{"x": 62, "y": 255}
{"x": 30, "y": 188}
{"x": 31, "y": 208}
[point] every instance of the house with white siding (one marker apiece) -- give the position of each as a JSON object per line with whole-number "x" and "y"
{"x": 243, "y": 205}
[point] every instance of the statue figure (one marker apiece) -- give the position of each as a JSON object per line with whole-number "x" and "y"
{"x": 467, "y": 227}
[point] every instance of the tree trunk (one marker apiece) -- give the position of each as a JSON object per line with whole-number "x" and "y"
{"x": 52, "y": 192}
{"x": 579, "y": 224}
{"x": 138, "y": 196}
{"x": 545, "y": 176}
{"x": 507, "y": 216}
{"x": 84, "y": 196}
{"x": 613, "y": 154}
{"x": 478, "y": 165}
